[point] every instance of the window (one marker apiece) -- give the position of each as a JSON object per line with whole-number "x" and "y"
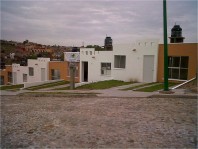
{"x": 24, "y": 77}
{"x": 105, "y": 68}
{"x": 10, "y": 77}
{"x": 31, "y": 71}
{"x": 2, "y": 80}
{"x": 90, "y": 52}
{"x": 119, "y": 61}
{"x": 76, "y": 71}
{"x": 55, "y": 74}
{"x": 178, "y": 67}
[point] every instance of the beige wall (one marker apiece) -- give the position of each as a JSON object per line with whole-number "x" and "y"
{"x": 63, "y": 67}
{"x": 178, "y": 49}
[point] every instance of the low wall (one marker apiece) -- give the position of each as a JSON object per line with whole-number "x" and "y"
{"x": 26, "y": 85}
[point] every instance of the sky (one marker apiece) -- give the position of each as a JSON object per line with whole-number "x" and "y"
{"x": 88, "y": 22}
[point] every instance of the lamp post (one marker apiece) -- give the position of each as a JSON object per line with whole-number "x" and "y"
{"x": 165, "y": 48}
{"x": 72, "y": 68}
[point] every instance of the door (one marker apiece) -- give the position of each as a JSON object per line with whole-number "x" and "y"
{"x": 14, "y": 78}
{"x": 85, "y": 71}
{"x": 148, "y": 68}
{"x": 42, "y": 74}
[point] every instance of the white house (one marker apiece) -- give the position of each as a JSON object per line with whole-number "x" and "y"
{"x": 126, "y": 62}
{"x": 35, "y": 71}
{"x": 38, "y": 69}
{"x": 20, "y": 74}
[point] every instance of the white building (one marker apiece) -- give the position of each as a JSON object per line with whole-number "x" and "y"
{"x": 38, "y": 69}
{"x": 35, "y": 71}
{"x": 126, "y": 62}
{"x": 20, "y": 74}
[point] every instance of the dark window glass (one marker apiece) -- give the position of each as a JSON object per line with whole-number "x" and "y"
{"x": 184, "y": 62}
{"x": 175, "y": 61}
{"x": 183, "y": 74}
{"x": 119, "y": 61}
{"x": 175, "y": 73}
{"x": 169, "y": 73}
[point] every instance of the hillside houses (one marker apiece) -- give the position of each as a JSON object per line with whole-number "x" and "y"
{"x": 141, "y": 61}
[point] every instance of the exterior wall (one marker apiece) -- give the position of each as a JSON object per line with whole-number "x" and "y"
{"x": 4, "y": 73}
{"x": 134, "y": 61}
{"x": 179, "y": 49}
{"x": 37, "y": 65}
{"x": 94, "y": 59}
{"x": 18, "y": 72}
{"x": 63, "y": 68}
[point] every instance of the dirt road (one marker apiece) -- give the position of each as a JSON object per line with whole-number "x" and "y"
{"x": 62, "y": 122}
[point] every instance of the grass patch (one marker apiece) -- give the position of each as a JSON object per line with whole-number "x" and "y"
{"x": 155, "y": 87}
{"x": 103, "y": 84}
{"x": 47, "y": 85}
{"x": 137, "y": 86}
{"x": 11, "y": 87}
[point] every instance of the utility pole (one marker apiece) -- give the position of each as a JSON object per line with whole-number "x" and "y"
{"x": 72, "y": 68}
{"x": 165, "y": 48}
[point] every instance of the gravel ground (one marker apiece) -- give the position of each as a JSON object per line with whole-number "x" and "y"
{"x": 65, "y": 122}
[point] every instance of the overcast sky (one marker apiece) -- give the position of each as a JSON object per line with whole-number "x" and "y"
{"x": 71, "y": 23}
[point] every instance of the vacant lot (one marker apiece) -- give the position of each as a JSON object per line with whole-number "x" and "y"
{"x": 61, "y": 122}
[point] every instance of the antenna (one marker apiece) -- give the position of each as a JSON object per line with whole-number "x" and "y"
{"x": 175, "y": 23}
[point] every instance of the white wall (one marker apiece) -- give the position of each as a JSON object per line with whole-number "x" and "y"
{"x": 37, "y": 64}
{"x": 134, "y": 61}
{"x": 94, "y": 59}
{"x": 19, "y": 70}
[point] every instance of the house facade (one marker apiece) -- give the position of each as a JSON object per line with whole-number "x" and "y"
{"x": 60, "y": 70}
{"x": 182, "y": 61}
{"x": 6, "y": 75}
{"x": 127, "y": 62}
{"x": 35, "y": 71}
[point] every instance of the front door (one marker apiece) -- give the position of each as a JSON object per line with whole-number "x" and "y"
{"x": 148, "y": 68}
{"x": 42, "y": 74}
{"x": 85, "y": 71}
{"x": 14, "y": 78}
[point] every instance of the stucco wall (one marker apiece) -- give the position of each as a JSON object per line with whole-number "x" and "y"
{"x": 4, "y": 73}
{"x": 18, "y": 71}
{"x": 63, "y": 68}
{"x": 37, "y": 65}
{"x": 134, "y": 61}
{"x": 179, "y": 49}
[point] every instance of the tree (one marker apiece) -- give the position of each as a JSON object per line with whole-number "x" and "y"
{"x": 97, "y": 47}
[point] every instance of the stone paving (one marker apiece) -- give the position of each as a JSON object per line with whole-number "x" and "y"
{"x": 46, "y": 122}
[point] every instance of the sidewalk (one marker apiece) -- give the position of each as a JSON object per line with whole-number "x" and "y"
{"x": 114, "y": 92}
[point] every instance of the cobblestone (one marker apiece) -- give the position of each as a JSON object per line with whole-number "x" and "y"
{"x": 65, "y": 122}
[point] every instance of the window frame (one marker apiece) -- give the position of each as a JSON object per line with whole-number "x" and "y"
{"x": 31, "y": 73}
{"x": 179, "y": 68}
{"x": 105, "y": 67}
{"x": 53, "y": 74}
{"x": 119, "y": 59}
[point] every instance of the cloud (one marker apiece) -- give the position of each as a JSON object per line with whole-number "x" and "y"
{"x": 74, "y": 22}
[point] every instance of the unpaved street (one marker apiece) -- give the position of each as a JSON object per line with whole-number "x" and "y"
{"x": 66, "y": 122}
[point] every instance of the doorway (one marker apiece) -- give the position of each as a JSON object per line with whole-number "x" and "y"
{"x": 42, "y": 74}
{"x": 148, "y": 68}
{"x": 84, "y": 71}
